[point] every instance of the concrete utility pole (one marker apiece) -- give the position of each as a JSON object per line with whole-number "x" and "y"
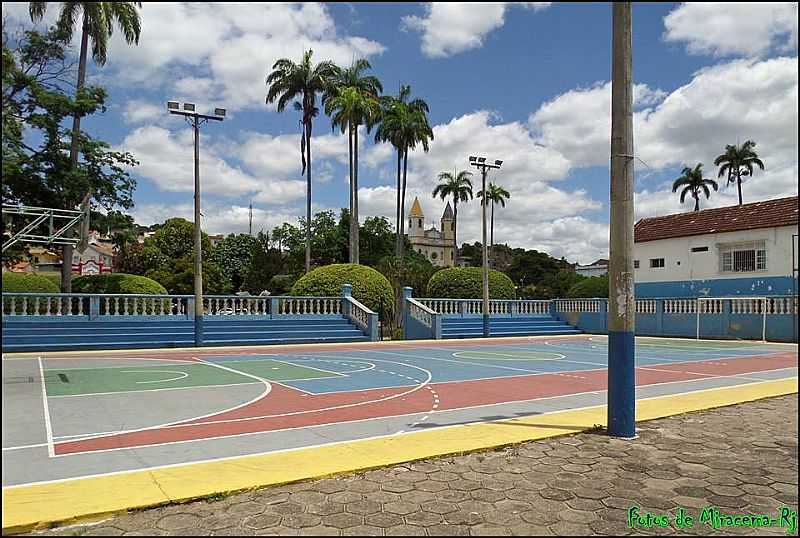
{"x": 484, "y": 166}
{"x": 196, "y": 120}
{"x": 621, "y": 303}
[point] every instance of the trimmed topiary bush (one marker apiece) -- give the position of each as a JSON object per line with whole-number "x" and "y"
{"x": 28, "y": 283}
{"x": 117, "y": 283}
{"x": 592, "y": 287}
{"x": 467, "y": 283}
{"x": 369, "y": 286}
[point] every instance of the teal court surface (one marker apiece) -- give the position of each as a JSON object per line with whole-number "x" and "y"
{"x": 73, "y": 419}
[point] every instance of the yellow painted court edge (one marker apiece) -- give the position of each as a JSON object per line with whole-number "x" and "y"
{"x": 42, "y": 505}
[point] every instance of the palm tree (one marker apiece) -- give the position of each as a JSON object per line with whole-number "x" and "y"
{"x": 352, "y": 101}
{"x": 693, "y": 182}
{"x": 305, "y": 80}
{"x": 404, "y": 124}
{"x": 459, "y": 186}
{"x": 737, "y": 162}
{"x": 496, "y": 195}
{"x": 98, "y": 22}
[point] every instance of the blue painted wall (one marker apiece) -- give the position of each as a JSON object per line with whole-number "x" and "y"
{"x": 719, "y": 287}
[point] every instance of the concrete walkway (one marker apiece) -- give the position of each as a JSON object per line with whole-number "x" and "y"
{"x": 741, "y": 459}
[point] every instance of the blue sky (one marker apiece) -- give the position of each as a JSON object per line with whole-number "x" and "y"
{"x": 525, "y": 83}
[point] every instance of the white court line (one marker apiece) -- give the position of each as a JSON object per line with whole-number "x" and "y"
{"x": 118, "y": 393}
{"x": 267, "y": 389}
{"x": 47, "y": 425}
{"x": 418, "y": 357}
{"x": 333, "y": 443}
{"x": 181, "y": 375}
{"x": 440, "y": 411}
{"x": 187, "y": 424}
{"x": 179, "y": 361}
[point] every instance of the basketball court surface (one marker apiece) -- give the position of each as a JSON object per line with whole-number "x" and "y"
{"x": 69, "y": 416}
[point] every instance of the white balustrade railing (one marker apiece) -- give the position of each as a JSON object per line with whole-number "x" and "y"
{"x": 308, "y": 306}
{"x": 236, "y": 305}
{"x": 782, "y": 306}
{"x": 358, "y": 313}
{"x": 645, "y": 306}
{"x": 577, "y": 305}
{"x": 512, "y": 307}
{"x": 532, "y": 307}
{"x": 420, "y": 312}
{"x": 680, "y": 306}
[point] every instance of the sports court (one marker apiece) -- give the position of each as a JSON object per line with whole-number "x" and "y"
{"x": 74, "y": 415}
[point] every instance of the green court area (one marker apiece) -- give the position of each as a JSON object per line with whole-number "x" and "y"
{"x": 83, "y": 381}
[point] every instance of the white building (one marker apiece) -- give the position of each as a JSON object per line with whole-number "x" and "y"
{"x": 435, "y": 245}
{"x": 740, "y": 250}
{"x": 598, "y": 268}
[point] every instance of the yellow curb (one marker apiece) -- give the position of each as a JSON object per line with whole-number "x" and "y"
{"x": 61, "y": 502}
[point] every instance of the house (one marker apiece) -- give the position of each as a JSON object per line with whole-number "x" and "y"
{"x": 435, "y": 245}
{"x": 749, "y": 249}
{"x": 97, "y": 258}
{"x": 215, "y": 240}
{"x": 597, "y": 268}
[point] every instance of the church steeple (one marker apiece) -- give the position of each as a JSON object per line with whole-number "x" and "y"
{"x": 416, "y": 220}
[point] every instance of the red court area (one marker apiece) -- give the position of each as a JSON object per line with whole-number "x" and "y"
{"x": 422, "y": 381}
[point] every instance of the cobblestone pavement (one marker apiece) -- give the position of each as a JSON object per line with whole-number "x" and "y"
{"x": 742, "y": 459}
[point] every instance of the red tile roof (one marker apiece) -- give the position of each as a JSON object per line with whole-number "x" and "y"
{"x": 767, "y": 214}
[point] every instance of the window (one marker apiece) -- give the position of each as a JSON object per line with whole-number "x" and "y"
{"x": 420, "y": 223}
{"x": 743, "y": 257}
{"x": 433, "y": 256}
{"x": 656, "y": 263}
{"x": 700, "y": 249}
{"x": 635, "y": 264}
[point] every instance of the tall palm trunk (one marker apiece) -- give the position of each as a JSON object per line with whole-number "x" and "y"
{"x": 403, "y": 201}
{"x": 354, "y": 216}
{"x": 398, "y": 238}
{"x": 455, "y": 230}
{"x": 351, "y": 254}
{"x": 308, "y": 196}
{"x": 66, "y": 252}
{"x": 696, "y": 201}
{"x": 739, "y": 183}
{"x": 491, "y": 240}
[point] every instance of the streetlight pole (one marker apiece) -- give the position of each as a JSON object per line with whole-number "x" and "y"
{"x": 483, "y": 166}
{"x": 196, "y": 120}
{"x": 621, "y": 302}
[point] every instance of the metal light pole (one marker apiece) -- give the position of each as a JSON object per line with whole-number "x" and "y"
{"x": 621, "y": 304}
{"x": 195, "y": 120}
{"x": 483, "y": 166}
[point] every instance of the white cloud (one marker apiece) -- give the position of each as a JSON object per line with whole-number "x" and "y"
{"x": 746, "y": 29}
{"x": 138, "y": 111}
{"x": 219, "y": 53}
{"x": 452, "y": 27}
{"x": 577, "y": 123}
{"x": 217, "y": 218}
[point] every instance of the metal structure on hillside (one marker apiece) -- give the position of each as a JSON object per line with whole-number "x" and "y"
{"x": 48, "y": 226}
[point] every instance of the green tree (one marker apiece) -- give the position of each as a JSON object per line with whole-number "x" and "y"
{"x": 693, "y": 182}
{"x": 352, "y": 101}
{"x": 738, "y": 162}
{"x": 376, "y": 240}
{"x": 459, "y": 186}
{"x": 36, "y": 169}
{"x": 234, "y": 256}
{"x": 98, "y": 22}
{"x": 266, "y": 263}
{"x": 287, "y": 81}
{"x": 557, "y": 285}
{"x": 495, "y": 195}
{"x": 404, "y": 124}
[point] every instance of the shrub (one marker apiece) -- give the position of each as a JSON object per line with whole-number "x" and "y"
{"x": 467, "y": 283}
{"x": 117, "y": 283}
{"x": 53, "y": 277}
{"x": 369, "y": 286}
{"x": 28, "y": 283}
{"x": 596, "y": 286}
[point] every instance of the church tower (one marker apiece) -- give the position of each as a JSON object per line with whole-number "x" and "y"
{"x": 416, "y": 221}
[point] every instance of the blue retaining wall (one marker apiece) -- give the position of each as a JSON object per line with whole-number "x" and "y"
{"x": 779, "y": 327}
{"x": 718, "y": 287}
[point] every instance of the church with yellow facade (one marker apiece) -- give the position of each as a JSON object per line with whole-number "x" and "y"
{"x": 434, "y": 244}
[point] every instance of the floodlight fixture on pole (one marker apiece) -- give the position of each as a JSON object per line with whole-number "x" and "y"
{"x": 196, "y": 120}
{"x": 480, "y": 163}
